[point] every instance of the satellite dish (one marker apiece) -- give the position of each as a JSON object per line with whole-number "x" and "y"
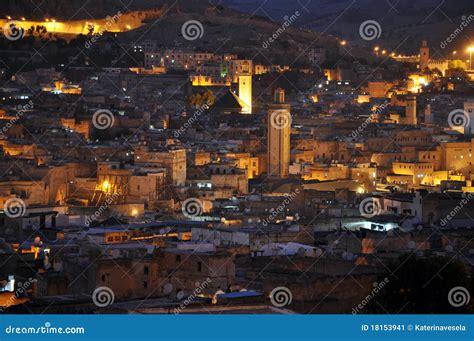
{"x": 411, "y": 244}
{"x": 168, "y": 288}
{"x": 180, "y": 295}
{"x": 449, "y": 248}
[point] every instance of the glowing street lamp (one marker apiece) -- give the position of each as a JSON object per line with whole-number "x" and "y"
{"x": 343, "y": 43}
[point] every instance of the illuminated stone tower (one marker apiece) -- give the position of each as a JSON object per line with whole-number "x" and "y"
{"x": 279, "y": 129}
{"x": 410, "y": 111}
{"x": 245, "y": 88}
{"x": 424, "y": 55}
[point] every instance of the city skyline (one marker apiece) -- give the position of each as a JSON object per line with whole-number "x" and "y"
{"x": 229, "y": 157}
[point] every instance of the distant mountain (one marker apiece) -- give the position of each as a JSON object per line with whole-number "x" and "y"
{"x": 403, "y": 22}
{"x": 223, "y": 29}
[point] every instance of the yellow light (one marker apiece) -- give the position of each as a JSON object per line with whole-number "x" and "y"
{"x": 9, "y": 17}
{"x": 454, "y": 52}
{"x": 105, "y": 186}
{"x": 384, "y": 52}
{"x": 343, "y": 42}
{"x": 134, "y": 212}
{"x": 470, "y": 49}
{"x": 128, "y": 27}
{"x": 376, "y": 48}
{"x": 53, "y": 20}
{"x": 360, "y": 190}
{"x": 23, "y": 18}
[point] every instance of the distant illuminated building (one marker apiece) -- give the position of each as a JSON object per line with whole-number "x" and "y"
{"x": 424, "y": 55}
{"x": 410, "y": 111}
{"x": 245, "y": 89}
{"x": 279, "y": 130}
{"x": 469, "y": 110}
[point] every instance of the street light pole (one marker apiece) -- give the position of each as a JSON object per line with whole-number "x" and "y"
{"x": 470, "y": 49}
